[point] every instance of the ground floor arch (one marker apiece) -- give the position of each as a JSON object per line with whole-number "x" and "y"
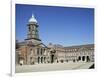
{"x": 38, "y": 59}
{"x": 52, "y": 58}
{"x": 79, "y": 58}
{"x": 41, "y": 59}
{"x": 83, "y": 58}
{"x": 87, "y": 58}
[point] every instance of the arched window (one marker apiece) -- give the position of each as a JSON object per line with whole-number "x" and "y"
{"x": 37, "y": 51}
{"x": 41, "y": 51}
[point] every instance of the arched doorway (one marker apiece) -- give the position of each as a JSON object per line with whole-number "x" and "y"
{"x": 41, "y": 59}
{"x": 52, "y": 58}
{"x": 83, "y": 58}
{"x": 44, "y": 59}
{"x": 73, "y": 60}
{"x": 87, "y": 58}
{"x": 38, "y": 59}
{"x": 79, "y": 58}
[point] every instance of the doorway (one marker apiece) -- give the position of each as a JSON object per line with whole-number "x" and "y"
{"x": 87, "y": 59}
{"x": 52, "y": 58}
{"x": 38, "y": 60}
{"x": 79, "y": 58}
{"x": 83, "y": 58}
{"x": 41, "y": 59}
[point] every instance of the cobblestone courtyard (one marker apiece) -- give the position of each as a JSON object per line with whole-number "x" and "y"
{"x": 52, "y": 67}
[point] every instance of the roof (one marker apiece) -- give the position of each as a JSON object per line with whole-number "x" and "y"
{"x": 78, "y": 46}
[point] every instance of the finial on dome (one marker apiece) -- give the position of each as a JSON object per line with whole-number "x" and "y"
{"x": 32, "y": 15}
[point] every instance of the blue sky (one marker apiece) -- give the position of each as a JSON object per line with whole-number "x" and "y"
{"x": 58, "y": 25}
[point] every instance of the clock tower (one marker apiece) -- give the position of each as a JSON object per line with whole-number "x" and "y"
{"x": 33, "y": 34}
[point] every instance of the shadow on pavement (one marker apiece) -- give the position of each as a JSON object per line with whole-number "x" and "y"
{"x": 92, "y": 66}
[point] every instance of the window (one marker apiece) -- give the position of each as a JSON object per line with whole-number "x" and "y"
{"x": 37, "y": 51}
{"x": 29, "y": 28}
{"x": 41, "y": 51}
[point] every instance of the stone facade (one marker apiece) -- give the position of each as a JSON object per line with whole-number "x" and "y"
{"x": 84, "y": 53}
{"x": 33, "y": 51}
{"x": 41, "y": 54}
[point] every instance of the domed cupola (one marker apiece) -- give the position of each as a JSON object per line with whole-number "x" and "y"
{"x": 33, "y": 29}
{"x": 32, "y": 19}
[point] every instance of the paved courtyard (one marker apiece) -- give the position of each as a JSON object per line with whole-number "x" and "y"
{"x": 52, "y": 67}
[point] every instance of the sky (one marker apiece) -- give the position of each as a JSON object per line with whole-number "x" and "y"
{"x": 57, "y": 25}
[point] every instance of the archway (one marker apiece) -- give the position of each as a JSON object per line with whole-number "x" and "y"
{"x": 79, "y": 58}
{"x": 73, "y": 60}
{"x": 52, "y": 58}
{"x": 83, "y": 58}
{"x": 38, "y": 59}
{"x": 41, "y": 59}
{"x": 87, "y": 58}
{"x": 44, "y": 59}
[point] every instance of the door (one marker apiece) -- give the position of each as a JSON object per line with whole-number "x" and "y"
{"x": 52, "y": 58}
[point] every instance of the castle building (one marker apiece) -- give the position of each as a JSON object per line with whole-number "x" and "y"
{"x": 33, "y": 51}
